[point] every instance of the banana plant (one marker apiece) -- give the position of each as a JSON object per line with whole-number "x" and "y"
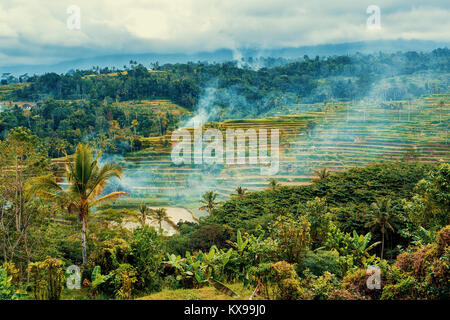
{"x": 216, "y": 260}
{"x": 202, "y": 268}
{"x": 177, "y": 263}
{"x": 361, "y": 247}
{"x": 97, "y": 279}
{"x": 240, "y": 244}
{"x": 174, "y": 261}
{"x": 190, "y": 269}
{"x": 423, "y": 236}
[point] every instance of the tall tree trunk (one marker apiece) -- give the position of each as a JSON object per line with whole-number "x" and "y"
{"x": 382, "y": 245}
{"x": 27, "y": 250}
{"x": 83, "y": 238}
{"x": 5, "y": 256}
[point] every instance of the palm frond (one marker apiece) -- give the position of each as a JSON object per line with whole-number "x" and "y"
{"x": 111, "y": 196}
{"x": 47, "y": 188}
{"x": 100, "y": 176}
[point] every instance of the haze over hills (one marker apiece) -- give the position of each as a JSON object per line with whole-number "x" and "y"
{"x": 220, "y": 55}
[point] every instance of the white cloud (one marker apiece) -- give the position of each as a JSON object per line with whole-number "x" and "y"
{"x": 37, "y": 28}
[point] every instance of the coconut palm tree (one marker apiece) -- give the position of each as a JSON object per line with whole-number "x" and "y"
{"x": 273, "y": 184}
{"x": 134, "y": 125}
{"x": 143, "y": 210}
{"x": 441, "y": 105}
{"x": 381, "y": 218}
{"x": 86, "y": 180}
{"x": 240, "y": 192}
{"x": 209, "y": 201}
{"x": 160, "y": 215}
{"x": 322, "y": 174}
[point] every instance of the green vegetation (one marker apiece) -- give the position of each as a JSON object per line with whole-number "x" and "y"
{"x": 109, "y": 126}
{"x": 87, "y": 181}
{"x": 362, "y": 186}
{"x": 304, "y": 242}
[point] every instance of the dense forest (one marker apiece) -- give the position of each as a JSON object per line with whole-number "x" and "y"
{"x": 349, "y": 77}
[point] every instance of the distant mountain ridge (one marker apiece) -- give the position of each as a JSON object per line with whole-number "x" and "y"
{"x": 221, "y": 55}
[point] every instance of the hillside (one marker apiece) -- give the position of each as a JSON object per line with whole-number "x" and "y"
{"x": 341, "y": 137}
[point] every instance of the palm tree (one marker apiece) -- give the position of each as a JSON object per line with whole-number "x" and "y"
{"x": 322, "y": 174}
{"x": 160, "y": 215}
{"x": 134, "y": 124}
{"x": 209, "y": 201}
{"x": 381, "y": 218}
{"x": 143, "y": 210}
{"x": 86, "y": 183}
{"x": 115, "y": 127}
{"x": 273, "y": 184}
{"x": 240, "y": 192}
{"x": 441, "y": 105}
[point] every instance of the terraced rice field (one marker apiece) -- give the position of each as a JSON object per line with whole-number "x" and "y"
{"x": 154, "y": 105}
{"x": 6, "y": 91}
{"x": 151, "y": 176}
{"x": 344, "y": 137}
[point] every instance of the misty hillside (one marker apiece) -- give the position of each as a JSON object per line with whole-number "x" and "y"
{"x": 283, "y": 55}
{"x": 226, "y": 90}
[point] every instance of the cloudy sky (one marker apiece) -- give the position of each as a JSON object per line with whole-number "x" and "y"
{"x": 36, "y": 31}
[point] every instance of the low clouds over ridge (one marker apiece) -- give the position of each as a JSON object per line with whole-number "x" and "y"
{"x": 35, "y": 31}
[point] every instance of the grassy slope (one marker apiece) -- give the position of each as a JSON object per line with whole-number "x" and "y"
{"x": 205, "y": 293}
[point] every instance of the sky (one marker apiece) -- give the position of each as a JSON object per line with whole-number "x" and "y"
{"x": 37, "y": 32}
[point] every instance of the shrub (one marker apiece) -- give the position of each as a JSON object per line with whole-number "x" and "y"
{"x": 147, "y": 257}
{"x": 121, "y": 282}
{"x": 317, "y": 214}
{"x": 356, "y": 284}
{"x": 125, "y": 277}
{"x": 12, "y": 272}
{"x": 321, "y": 287}
{"x": 251, "y": 251}
{"x": 7, "y": 290}
{"x": 286, "y": 282}
{"x": 443, "y": 239}
{"x": 320, "y": 261}
{"x": 404, "y": 287}
{"x": 47, "y": 278}
{"x": 293, "y": 237}
{"x": 111, "y": 253}
{"x": 97, "y": 279}
{"x": 208, "y": 235}
{"x": 426, "y": 271}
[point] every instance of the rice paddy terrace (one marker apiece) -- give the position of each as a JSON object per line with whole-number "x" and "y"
{"x": 150, "y": 174}
{"x": 341, "y": 137}
{"x": 154, "y": 105}
{"x": 7, "y": 91}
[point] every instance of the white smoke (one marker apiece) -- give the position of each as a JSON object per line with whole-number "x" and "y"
{"x": 205, "y": 111}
